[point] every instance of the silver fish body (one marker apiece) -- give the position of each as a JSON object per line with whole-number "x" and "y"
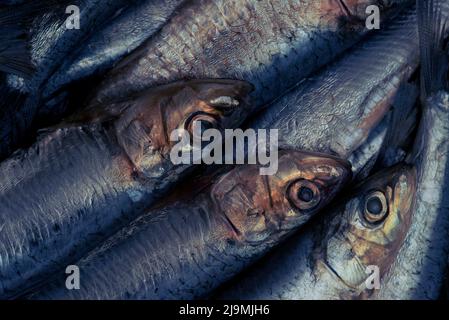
{"x": 185, "y": 249}
{"x": 394, "y": 226}
{"x": 420, "y": 265}
{"x": 80, "y": 182}
{"x": 118, "y": 38}
{"x": 272, "y": 44}
{"x": 336, "y": 111}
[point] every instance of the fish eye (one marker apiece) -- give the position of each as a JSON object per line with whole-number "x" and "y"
{"x": 304, "y": 194}
{"x": 375, "y": 207}
{"x": 204, "y": 120}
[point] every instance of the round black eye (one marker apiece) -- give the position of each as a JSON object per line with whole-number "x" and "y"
{"x": 376, "y": 207}
{"x": 202, "y": 122}
{"x": 304, "y": 194}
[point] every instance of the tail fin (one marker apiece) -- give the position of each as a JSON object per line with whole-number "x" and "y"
{"x": 15, "y": 25}
{"x": 14, "y": 53}
{"x": 432, "y": 25}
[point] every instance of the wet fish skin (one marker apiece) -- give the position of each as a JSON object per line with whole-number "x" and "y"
{"x": 335, "y": 111}
{"x": 388, "y": 143}
{"x": 420, "y": 266}
{"x": 50, "y": 41}
{"x": 272, "y": 44}
{"x": 117, "y": 39}
{"x": 412, "y": 249}
{"x": 185, "y": 249}
{"x": 329, "y": 260}
{"x": 82, "y": 180}
{"x": 421, "y": 263}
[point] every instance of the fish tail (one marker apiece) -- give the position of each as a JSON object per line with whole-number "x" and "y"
{"x": 15, "y": 25}
{"x": 15, "y": 57}
{"x": 432, "y": 26}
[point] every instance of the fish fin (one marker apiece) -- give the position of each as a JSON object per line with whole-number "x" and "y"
{"x": 16, "y": 23}
{"x": 15, "y": 57}
{"x": 403, "y": 123}
{"x": 432, "y": 25}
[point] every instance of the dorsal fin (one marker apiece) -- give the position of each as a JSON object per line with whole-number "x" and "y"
{"x": 432, "y": 25}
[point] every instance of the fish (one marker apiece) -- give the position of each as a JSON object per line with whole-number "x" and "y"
{"x": 420, "y": 266}
{"x": 345, "y": 105}
{"x": 185, "y": 249}
{"x": 407, "y": 245}
{"x": 329, "y": 260}
{"x": 94, "y": 172}
{"x": 119, "y": 37}
{"x": 38, "y": 40}
{"x": 272, "y": 44}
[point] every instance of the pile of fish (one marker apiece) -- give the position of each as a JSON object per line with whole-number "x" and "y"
{"x": 93, "y": 93}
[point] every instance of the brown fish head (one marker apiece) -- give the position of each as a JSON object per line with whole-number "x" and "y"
{"x": 146, "y": 129}
{"x": 262, "y": 208}
{"x": 367, "y": 230}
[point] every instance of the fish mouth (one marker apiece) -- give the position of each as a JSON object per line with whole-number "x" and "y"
{"x": 339, "y": 278}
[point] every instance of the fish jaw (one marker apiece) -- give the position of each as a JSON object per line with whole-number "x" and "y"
{"x": 353, "y": 243}
{"x": 263, "y": 209}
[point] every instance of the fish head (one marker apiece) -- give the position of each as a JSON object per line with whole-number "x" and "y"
{"x": 264, "y": 208}
{"x": 367, "y": 230}
{"x": 216, "y": 103}
{"x": 152, "y": 122}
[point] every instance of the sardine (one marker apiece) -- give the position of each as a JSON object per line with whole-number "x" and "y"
{"x": 396, "y": 226}
{"x": 82, "y": 180}
{"x": 336, "y": 111}
{"x": 272, "y": 44}
{"x": 187, "y": 248}
{"x": 117, "y": 39}
{"x": 420, "y": 265}
{"x": 330, "y": 260}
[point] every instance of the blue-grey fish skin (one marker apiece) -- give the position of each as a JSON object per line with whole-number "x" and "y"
{"x": 50, "y": 41}
{"x": 330, "y": 259}
{"x": 187, "y": 248}
{"x": 411, "y": 253}
{"x": 421, "y": 264}
{"x": 82, "y": 181}
{"x": 117, "y": 39}
{"x": 272, "y": 44}
{"x": 336, "y": 110}
{"x": 314, "y": 264}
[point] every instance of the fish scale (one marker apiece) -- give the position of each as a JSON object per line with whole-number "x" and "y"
{"x": 84, "y": 179}
{"x": 188, "y": 247}
{"x": 23, "y": 197}
{"x": 409, "y": 246}
{"x": 326, "y": 113}
{"x": 283, "y": 36}
{"x": 139, "y": 21}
